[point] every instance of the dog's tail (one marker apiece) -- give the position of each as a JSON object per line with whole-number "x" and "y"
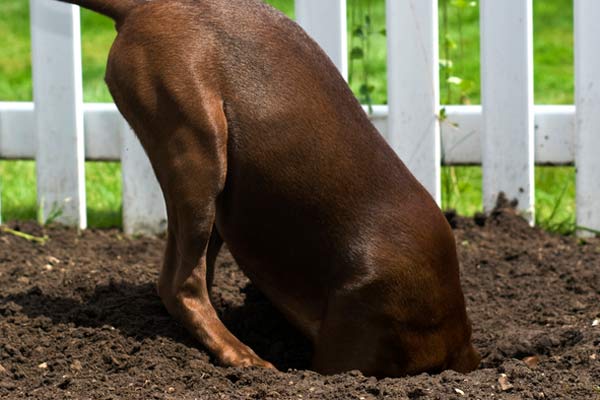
{"x": 115, "y": 9}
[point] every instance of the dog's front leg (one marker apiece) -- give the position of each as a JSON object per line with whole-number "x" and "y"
{"x": 183, "y": 289}
{"x": 192, "y": 170}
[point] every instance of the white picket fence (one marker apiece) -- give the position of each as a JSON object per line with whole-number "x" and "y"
{"x": 507, "y": 135}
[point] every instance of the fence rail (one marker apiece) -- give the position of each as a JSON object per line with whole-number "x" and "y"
{"x": 507, "y": 135}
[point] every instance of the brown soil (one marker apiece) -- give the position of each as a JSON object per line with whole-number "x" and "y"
{"x": 79, "y": 318}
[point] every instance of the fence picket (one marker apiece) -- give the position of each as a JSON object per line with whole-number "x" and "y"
{"x": 413, "y": 88}
{"x": 587, "y": 93}
{"x": 507, "y": 100}
{"x": 326, "y": 23}
{"x": 58, "y": 98}
{"x": 143, "y": 203}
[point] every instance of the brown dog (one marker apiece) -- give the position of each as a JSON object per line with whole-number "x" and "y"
{"x": 257, "y": 141}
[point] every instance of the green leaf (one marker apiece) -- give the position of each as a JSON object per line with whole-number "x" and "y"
{"x": 459, "y": 3}
{"x": 454, "y": 80}
{"x": 463, "y": 3}
{"x": 442, "y": 115}
{"x": 366, "y": 90}
{"x": 383, "y": 32}
{"x": 450, "y": 42}
{"x": 358, "y": 32}
{"x": 467, "y": 85}
{"x": 446, "y": 63}
{"x": 357, "y": 53}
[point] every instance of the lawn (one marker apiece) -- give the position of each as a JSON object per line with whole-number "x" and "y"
{"x": 459, "y": 52}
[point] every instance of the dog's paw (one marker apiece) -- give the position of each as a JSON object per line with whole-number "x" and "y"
{"x": 242, "y": 357}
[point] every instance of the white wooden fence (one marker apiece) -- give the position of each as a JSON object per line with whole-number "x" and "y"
{"x": 507, "y": 135}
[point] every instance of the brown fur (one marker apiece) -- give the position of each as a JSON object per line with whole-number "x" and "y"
{"x": 257, "y": 141}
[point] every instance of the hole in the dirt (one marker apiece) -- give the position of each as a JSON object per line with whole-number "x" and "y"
{"x": 258, "y": 324}
{"x": 233, "y": 378}
{"x": 416, "y": 394}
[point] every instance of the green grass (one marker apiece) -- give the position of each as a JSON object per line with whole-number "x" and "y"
{"x": 103, "y": 189}
{"x": 104, "y": 193}
{"x": 97, "y": 34}
{"x": 17, "y": 184}
{"x": 15, "y": 49}
{"x": 459, "y": 42}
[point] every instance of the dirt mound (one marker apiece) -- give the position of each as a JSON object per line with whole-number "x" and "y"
{"x": 79, "y": 318}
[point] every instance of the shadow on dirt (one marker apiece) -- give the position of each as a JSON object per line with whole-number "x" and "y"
{"x": 135, "y": 310}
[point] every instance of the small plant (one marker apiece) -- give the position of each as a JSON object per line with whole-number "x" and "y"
{"x": 362, "y": 33}
{"x": 588, "y": 230}
{"x": 452, "y": 83}
{"x": 565, "y": 226}
{"x": 452, "y": 73}
{"x": 55, "y": 212}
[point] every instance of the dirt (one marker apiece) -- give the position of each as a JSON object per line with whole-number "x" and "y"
{"x": 79, "y": 318}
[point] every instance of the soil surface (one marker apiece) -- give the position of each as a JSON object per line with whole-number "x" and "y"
{"x": 79, "y": 318}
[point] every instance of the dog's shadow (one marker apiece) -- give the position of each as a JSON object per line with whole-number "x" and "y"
{"x": 136, "y": 311}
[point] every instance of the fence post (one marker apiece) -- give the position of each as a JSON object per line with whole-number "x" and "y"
{"x": 326, "y": 23}
{"x": 58, "y": 98}
{"x": 507, "y": 101}
{"x": 587, "y": 93}
{"x": 413, "y": 88}
{"x": 144, "y": 209}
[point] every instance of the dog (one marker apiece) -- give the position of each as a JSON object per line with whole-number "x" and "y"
{"x": 257, "y": 141}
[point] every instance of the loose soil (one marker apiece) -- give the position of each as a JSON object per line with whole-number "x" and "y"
{"x": 79, "y": 318}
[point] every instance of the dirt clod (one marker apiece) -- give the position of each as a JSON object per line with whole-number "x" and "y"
{"x": 504, "y": 383}
{"x": 53, "y": 260}
{"x": 24, "y": 280}
{"x": 76, "y": 365}
{"x": 97, "y": 322}
{"x": 532, "y": 361}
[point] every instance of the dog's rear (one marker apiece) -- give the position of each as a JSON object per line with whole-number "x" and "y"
{"x": 257, "y": 140}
